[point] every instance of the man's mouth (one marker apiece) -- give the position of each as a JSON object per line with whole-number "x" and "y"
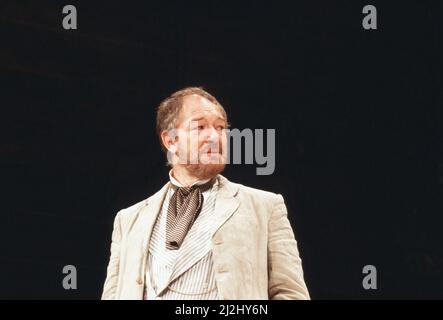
{"x": 212, "y": 151}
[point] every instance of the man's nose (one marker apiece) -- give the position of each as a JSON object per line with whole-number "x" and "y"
{"x": 211, "y": 134}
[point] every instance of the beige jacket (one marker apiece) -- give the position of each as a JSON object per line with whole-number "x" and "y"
{"x": 254, "y": 250}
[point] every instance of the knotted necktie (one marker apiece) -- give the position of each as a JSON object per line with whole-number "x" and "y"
{"x": 184, "y": 207}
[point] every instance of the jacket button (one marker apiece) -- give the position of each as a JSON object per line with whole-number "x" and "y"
{"x": 222, "y": 268}
{"x": 218, "y": 241}
{"x": 139, "y": 281}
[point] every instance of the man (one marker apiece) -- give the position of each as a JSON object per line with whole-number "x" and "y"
{"x": 202, "y": 236}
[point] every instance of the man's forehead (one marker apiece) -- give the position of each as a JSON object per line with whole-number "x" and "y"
{"x": 195, "y": 105}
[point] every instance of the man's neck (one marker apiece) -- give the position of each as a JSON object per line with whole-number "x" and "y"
{"x": 185, "y": 178}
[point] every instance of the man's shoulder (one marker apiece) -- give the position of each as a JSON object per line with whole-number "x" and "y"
{"x": 134, "y": 207}
{"x": 244, "y": 192}
{"x": 258, "y": 199}
{"x": 125, "y": 216}
{"x": 255, "y": 193}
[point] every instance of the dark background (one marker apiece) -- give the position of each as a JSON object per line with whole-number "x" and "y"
{"x": 357, "y": 119}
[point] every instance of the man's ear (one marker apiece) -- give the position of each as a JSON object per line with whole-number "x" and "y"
{"x": 169, "y": 140}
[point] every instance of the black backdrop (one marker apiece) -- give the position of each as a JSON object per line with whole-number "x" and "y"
{"x": 356, "y": 113}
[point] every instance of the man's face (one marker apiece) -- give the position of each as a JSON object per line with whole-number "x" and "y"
{"x": 201, "y": 134}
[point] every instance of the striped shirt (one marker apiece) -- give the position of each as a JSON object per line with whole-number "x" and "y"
{"x": 187, "y": 273}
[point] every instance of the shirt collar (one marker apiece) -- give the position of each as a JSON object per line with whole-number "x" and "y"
{"x": 178, "y": 184}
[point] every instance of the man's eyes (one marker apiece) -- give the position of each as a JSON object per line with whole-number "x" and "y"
{"x": 202, "y": 127}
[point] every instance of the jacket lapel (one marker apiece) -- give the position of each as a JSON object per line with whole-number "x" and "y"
{"x": 144, "y": 226}
{"x": 226, "y": 203}
{"x": 139, "y": 232}
{"x": 148, "y": 216}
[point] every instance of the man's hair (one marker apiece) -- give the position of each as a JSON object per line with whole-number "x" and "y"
{"x": 169, "y": 109}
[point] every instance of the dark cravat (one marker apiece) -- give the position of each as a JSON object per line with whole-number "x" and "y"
{"x": 184, "y": 207}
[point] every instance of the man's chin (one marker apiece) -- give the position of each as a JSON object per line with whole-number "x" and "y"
{"x": 206, "y": 171}
{"x": 211, "y": 159}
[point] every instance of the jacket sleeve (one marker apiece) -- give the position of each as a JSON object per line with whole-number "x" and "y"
{"x": 110, "y": 286}
{"x": 284, "y": 264}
